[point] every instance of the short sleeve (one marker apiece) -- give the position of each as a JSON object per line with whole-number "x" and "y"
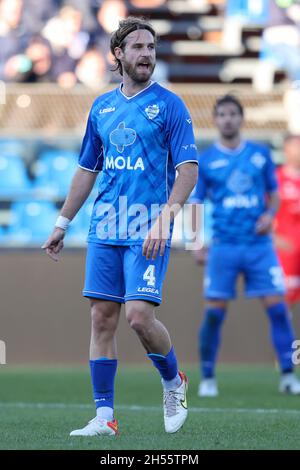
{"x": 199, "y": 192}
{"x": 180, "y": 134}
{"x": 91, "y": 153}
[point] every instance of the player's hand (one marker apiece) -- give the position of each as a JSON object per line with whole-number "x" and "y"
{"x": 157, "y": 238}
{"x": 283, "y": 244}
{"x": 264, "y": 223}
{"x": 200, "y": 255}
{"x": 55, "y": 243}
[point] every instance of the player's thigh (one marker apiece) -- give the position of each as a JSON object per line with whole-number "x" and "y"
{"x": 104, "y": 272}
{"x": 221, "y": 272}
{"x": 144, "y": 278}
{"x": 262, "y": 271}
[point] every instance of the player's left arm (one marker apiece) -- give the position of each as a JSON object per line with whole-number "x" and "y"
{"x": 264, "y": 223}
{"x": 159, "y": 233}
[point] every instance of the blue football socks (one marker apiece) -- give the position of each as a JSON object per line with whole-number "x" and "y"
{"x": 209, "y": 340}
{"x": 168, "y": 369}
{"x": 103, "y": 371}
{"x": 282, "y": 335}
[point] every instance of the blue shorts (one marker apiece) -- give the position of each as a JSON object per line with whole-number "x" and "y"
{"x": 122, "y": 273}
{"x": 257, "y": 263}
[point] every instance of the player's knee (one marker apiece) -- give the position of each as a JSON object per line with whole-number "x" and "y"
{"x": 137, "y": 318}
{"x": 271, "y": 300}
{"x": 215, "y": 316}
{"x": 211, "y": 304}
{"x": 103, "y": 316}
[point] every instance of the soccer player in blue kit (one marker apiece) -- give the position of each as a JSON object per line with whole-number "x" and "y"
{"x": 137, "y": 135}
{"x": 238, "y": 177}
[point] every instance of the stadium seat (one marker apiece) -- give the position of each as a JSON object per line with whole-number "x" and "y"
{"x": 2, "y": 232}
{"x": 11, "y": 147}
{"x": 54, "y": 171}
{"x": 31, "y": 222}
{"x": 14, "y": 180}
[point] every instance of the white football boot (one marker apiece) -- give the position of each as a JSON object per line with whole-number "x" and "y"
{"x": 97, "y": 427}
{"x": 208, "y": 388}
{"x": 290, "y": 384}
{"x": 175, "y": 406}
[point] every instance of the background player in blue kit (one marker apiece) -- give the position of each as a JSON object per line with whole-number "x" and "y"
{"x": 137, "y": 136}
{"x": 238, "y": 177}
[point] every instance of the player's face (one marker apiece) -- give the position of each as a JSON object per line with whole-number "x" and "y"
{"x": 138, "y": 56}
{"x": 292, "y": 151}
{"x": 228, "y": 120}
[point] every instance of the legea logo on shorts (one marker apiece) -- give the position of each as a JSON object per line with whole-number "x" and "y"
{"x": 148, "y": 290}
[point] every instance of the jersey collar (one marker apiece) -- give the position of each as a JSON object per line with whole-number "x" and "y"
{"x": 229, "y": 151}
{"x": 128, "y": 98}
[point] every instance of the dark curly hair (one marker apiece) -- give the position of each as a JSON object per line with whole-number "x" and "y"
{"x": 231, "y": 99}
{"x": 126, "y": 27}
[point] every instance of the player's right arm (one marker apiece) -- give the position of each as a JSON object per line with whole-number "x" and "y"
{"x": 81, "y": 186}
{"x": 197, "y": 197}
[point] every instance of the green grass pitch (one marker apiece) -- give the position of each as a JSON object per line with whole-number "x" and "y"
{"x": 40, "y": 406}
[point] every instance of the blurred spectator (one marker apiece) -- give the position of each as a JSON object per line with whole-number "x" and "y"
{"x": 108, "y": 16}
{"x": 281, "y": 50}
{"x": 92, "y": 70}
{"x": 13, "y": 40}
{"x": 37, "y": 12}
{"x": 281, "y": 37}
{"x": 147, "y": 3}
{"x": 39, "y": 54}
{"x": 89, "y": 21}
{"x": 237, "y": 15}
{"x": 68, "y": 41}
{"x": 110, "y": 13}
{"x": 64, "y": 33}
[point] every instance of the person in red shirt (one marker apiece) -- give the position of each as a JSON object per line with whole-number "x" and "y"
{"x": 287, "y": 221}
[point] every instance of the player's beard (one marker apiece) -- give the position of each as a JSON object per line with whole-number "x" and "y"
{"x": 229, "y": 134}
{"x": 136, "y": 75}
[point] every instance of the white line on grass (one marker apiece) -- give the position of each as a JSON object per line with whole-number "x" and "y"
{"x": 85, "y": 406}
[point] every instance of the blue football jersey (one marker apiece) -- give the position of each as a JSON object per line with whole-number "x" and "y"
{"x": 137, "y": 143}
{"x": 237, "y": 183}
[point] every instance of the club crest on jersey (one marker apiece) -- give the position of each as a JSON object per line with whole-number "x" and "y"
{"x": 122, "y": 136}
{"x": 152, "y": 111}
{"x": 258, "y": 160}
{"x": 239, "y": 182}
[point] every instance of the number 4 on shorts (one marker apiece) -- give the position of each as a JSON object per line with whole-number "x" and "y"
{"x": 149, "y": 275}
